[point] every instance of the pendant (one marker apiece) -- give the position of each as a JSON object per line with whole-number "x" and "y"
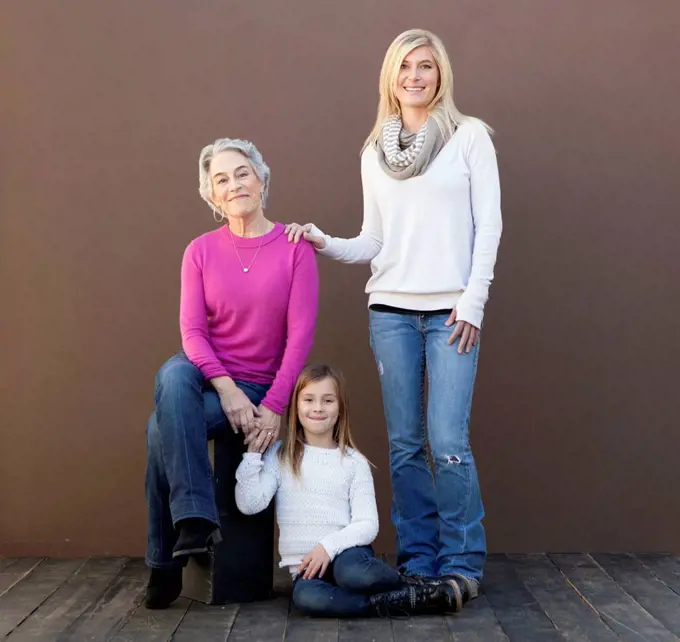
{"x": 245, "y": 269}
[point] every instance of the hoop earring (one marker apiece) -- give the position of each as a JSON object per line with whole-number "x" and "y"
{"x": 218, "y": 220}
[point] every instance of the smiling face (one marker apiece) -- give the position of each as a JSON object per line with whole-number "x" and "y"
{"x": 417, "y": 80}
{"x": 318, "y": 408}
{"x": 236, "y": 189}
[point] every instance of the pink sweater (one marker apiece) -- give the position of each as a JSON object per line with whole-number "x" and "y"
{"x": 256, "y": 326}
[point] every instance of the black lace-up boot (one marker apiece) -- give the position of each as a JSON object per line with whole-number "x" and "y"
{"x": 469, "y": 588}
{"x": 418, "y": 600}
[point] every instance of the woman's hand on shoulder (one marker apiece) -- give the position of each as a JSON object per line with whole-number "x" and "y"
{"x": 296, "y": 231}
{"x": 468, "y": 333}
{"x": 268, "y": 432}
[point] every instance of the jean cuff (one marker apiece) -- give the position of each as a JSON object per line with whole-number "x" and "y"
{"x": 416, "y": 570}
{"x": 167, "y": 565}
{"x": 194, "y": 514}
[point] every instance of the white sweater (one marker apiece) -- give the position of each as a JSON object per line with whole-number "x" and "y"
{"x": 332, "y": 503}
{"x": 432, "y": 240}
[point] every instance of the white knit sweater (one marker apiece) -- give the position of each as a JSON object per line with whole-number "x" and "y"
{"x": 431, "y": 240}
{"x": 332, "y": 503}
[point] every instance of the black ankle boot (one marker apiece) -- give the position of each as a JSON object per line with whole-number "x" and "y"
{"x": 165, "y": 585}
{"x": 196, "y": 536}
{"x": 469, "y": 588}
{"x": 418, "y": 600}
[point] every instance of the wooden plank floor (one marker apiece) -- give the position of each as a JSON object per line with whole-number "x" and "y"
{"x": 526, "y": 598}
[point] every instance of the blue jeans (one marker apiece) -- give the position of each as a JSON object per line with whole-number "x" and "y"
{"x": 179, "y": 477}
{"x": 438, "y": 519}
{"x": 354, "y": 575}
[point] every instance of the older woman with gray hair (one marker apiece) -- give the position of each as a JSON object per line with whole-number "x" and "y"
{"x": 248, "y": 310}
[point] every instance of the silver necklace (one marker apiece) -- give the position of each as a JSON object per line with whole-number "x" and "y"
{"x": 238, "y": 256}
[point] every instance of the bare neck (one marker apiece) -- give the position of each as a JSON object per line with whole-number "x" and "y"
{"x": 321, "y": 441}
{"x": 249, "y": 226}
{"x": 413, "y": 119}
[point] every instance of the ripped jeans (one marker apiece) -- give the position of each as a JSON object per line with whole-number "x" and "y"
{"x": 438, "y": 518}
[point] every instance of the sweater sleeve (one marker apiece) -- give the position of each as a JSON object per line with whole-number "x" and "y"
{"x": 365, "y": 247}
{"x": 193, "y": 316}
{"x": 303, "y": 306}
{"x": 485, "y": 195}
{"x": 363, "y": 527}
{"x": 257, "y": 480}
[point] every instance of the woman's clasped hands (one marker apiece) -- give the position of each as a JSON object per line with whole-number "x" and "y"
{"x": 259, "y": 424}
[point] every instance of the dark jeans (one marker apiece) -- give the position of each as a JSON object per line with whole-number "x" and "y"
{"x": 353, "y": 576}
{"x": 179, "y": 477}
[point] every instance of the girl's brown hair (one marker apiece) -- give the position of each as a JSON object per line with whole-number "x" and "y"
{"x": 293, "y": 448}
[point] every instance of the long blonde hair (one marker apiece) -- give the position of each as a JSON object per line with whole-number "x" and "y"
{"x": 293, "y": 448}
{"x": 442, "y": 108}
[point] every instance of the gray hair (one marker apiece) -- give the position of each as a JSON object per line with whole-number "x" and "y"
{"x": 244, "y": 147}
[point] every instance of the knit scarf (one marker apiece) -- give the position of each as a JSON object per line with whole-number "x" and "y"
{"x": 402, "y": 154}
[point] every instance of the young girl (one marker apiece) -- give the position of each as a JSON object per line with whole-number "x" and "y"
{"x": 326, "y": 511}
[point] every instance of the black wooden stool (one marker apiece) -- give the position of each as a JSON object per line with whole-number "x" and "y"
{"x": 241, "y": 568}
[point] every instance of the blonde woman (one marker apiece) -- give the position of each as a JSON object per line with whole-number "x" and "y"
{"x": 431, "y": 230}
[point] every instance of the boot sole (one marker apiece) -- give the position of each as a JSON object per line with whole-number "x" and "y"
{"x": 457, "y": 606}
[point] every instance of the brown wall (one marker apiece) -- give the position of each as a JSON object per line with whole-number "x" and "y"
{"x": 105, "y": 106}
